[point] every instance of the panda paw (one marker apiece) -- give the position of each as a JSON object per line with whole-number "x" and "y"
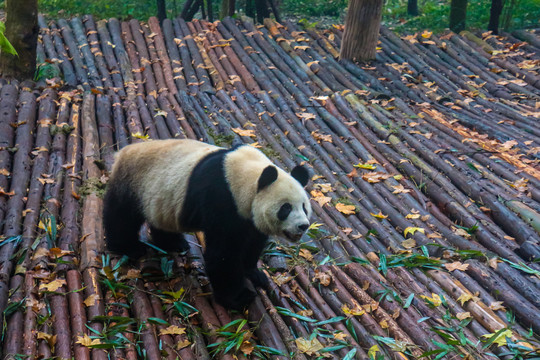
{"x": 240, "y": 302}
{"x": 258, "y": 278}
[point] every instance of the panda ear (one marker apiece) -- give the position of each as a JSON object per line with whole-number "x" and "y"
{"x": 268, "y": 176}
{"x": 301, "y": 174}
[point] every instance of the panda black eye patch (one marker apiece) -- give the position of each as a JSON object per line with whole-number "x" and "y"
{"x": 304, "y": 208}
{"x": 284, "y": 211}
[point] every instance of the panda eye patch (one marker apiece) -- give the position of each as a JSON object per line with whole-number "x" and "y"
{"x": 284, "y": 211}
{"x": 304, "y": 208}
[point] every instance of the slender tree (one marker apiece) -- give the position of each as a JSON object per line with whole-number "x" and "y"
{"x": 161, "y": 10}
{"x": 494, "y": 15}
{"x": 412, "y": 7}
{"x": 361, "y": 30}
{"x": 22, "y": 31}
{"x": 227, "y": 8}
{"x": 458, "y": 15}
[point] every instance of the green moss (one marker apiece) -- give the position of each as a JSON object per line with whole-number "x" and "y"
{"x": 92, "y": 186}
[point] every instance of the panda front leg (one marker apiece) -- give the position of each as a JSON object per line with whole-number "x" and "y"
{"x": 257, "y": 244}
{"x": 122, "y": 220}
{"x": 225, "y": 269}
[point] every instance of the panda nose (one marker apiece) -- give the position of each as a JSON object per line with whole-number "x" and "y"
{"x": 303, "y": 227}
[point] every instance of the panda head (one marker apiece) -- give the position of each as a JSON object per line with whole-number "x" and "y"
{"x": 281, "y": 206}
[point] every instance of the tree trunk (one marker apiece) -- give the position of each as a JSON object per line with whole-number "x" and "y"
{"x": 250, "y": 8}
{"x": 161, "y": 10}
{"x": 262, "y": 10}
{"x": 227, "y": 8}
{"x": 412, "y": 7}
{"x": 361, "y": 30}
{"x": 210, "y": 10}
{"x": 494, "y": 15}
{"x": 22, "y": 31}
{"x": 458, "y": 15}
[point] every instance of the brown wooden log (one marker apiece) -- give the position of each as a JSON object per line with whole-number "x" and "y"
{"x": 136, "y": 68}
{"x": 92, "y": 289}
{"x": 8, "y": 112}
{"x": 161, "y": 49}
{"x": 77, "y": 313}
{"x": 143, "y": 310}
{"x": 91, "y": 228}
{"x": 61, "y": 323}
{"x": 144, "y": 57}
{"x": 154, "y": 59}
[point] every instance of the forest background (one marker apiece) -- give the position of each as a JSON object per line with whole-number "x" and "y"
{"x": 517, "y": 14}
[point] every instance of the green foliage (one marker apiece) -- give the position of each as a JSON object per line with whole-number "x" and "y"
{"x": 434, "y": 15}
{"x": 5, "y": 45}
{"x": 104, "y": 9}
{"x": 332, "y": 8}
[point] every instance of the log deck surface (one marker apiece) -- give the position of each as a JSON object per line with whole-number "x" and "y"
{"x": 426, "y": 192}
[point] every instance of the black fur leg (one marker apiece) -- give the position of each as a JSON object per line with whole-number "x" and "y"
{"x": 258, "y": 278}
{"x": 122, "y": 220}
{"x": 168, "y": 241}
{"x": 224, "y": 267}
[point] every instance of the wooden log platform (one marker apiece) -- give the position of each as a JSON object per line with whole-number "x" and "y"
{"x": 425, "y": 187}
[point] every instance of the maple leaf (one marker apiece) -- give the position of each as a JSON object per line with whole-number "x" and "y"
{"x": 182, "y": 344}
{"x": 372, "y": 352}
{"x": 91, "y": 300}
{"x": 340, "y": 336}
{"x": 467, "y": 297}
{"x": 400, "y": 189}
{"x": 53, "y": 285}
{"x": 247, "y": 347}
{"x": 380, "y": 215}
{"x": 244, "y": 132}
{"x": 408, "y": 244}
{"x": 500, "y": 337}
{"x": 435, "y": 300}
{"x": 324, "y": 187}
{"x": 310, "y": 347}
{"x": 375, "y": 177}
{"x": 87, "y": 341}
{"x": 306, "y": 254}
{"x": 497, "y": 305}
{"x": 355, "y": 311}
{"x": 346, "y": 209}
{"x": 411, "y": 230}
{"x": 463, "y": 315}
{"x": 281, "y": 279}
{"x": 412, "y": 216}
{"x": 173, "y": 330}
{"x": 320, "y": 198}
{"x": 324, "y": 278}
{"x": 456, "y": 266}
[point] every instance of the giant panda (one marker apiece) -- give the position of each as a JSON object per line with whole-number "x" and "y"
{"x": 236, "y": 196}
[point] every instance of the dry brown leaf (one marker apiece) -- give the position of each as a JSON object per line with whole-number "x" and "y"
{"x": 354, "y": 311}
{"x": 380, "y": 215}
{"x": 86, "y": 341}
{"x": 319, "y": 197}
{"x": 400, "y": 189}
{"x": 345, "y": 209}
{"x": 173, "y": 330}
{"x": 309, "y": 347}
{"x": 456, "y": 266}
{"x": 497, "y": 305}
{"x": 323, "y": 277}
{"x": 244, "y": 132}
{"x": 247, "y": 347}
{"x": 463, "y": 315}
{"x": 306, "y": 254}
{"x": 282, "y": 278}
{"x": 91, "y": 300}
{"x": 53, "y": 285}
{"x": 408, "y": 244}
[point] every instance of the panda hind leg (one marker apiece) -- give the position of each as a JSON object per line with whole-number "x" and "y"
{"x": 122, "y": 221}
{"x": 168, "y": 241}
